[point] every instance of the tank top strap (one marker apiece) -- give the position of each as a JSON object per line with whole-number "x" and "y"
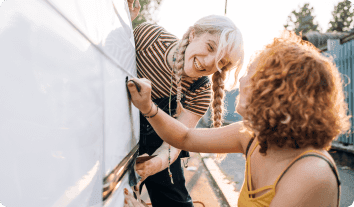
{"x": 248, "y": 166}
{"x": 255, "y": 146}
{"x": 309, "y": 153}
{"x": 248, "y": 146}
{"x": 318, "y": 154}
{"x": 260, "y": 189}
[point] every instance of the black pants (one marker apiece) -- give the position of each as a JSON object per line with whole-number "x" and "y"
{"x": 161, "y": 191}
{"x": 165, "y": 194}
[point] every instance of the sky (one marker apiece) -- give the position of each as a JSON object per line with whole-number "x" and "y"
{"x": 259, "y": 20}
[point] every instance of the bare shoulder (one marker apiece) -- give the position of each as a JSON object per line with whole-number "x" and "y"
{"x": 309, "y": 182}
{"x": 245, "y": 136}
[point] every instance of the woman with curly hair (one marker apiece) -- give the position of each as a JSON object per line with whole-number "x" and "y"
{"x": 179, "y": 72}
{"x": 293, "y": 107}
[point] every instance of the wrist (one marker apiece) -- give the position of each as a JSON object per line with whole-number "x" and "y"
{"x": 153, "y": 111}
{"x": 160, "y": 163}
{"x": 147, "y": 110}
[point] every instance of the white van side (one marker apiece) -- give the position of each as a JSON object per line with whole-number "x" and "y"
{"x": 65, "y": 120}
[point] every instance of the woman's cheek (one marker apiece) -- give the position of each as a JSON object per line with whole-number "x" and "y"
{"x": 189, "y": 70}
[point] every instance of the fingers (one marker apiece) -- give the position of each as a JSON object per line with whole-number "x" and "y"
{"x": 140, "y": 182}
{"x": 137, "y": 5}
{"x": 140, "y": 80}
{"x": 132, "y": 88}
{"x": 140, "y": 93}
{"x": 130, "y": 201}
{"x": 142, "y": 174}
{"x": 128, "y": 198}
{"x": 136, "y": 85}
{"x": 130, "y": 4}
{"x": 143, "y": 177}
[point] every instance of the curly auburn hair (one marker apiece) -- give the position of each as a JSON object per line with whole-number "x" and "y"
{"x": 296, "y": 97}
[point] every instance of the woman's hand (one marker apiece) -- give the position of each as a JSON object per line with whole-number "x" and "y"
{"x": 149, "y": 167}
{"x": 134, "y": 10}
{"x": 130, "y": 201}
{"x": 142, "y": 99}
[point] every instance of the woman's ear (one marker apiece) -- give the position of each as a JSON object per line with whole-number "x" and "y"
{"x": 191, "y": 35}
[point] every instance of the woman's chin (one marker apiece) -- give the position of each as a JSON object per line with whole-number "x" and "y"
{"x": 239, "y": 109}
{"x": 190, "y": 74}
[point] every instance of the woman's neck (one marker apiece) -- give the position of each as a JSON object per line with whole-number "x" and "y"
{"x": 278, "y": 154}
{"x": 170, "y": 55}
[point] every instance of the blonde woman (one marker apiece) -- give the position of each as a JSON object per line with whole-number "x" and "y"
{"x": 179, "y": 72}
{"x": 293, "y": 107}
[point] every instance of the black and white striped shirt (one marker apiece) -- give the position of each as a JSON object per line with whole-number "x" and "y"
{"x": 152, "y": 44}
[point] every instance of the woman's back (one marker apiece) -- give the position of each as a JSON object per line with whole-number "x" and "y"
{"x": 266, "y": 175}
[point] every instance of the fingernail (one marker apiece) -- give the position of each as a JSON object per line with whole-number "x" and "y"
{"x": 125, "y": 201}
{"x": 131, "y": 82}
{"x": 125, "y": 191}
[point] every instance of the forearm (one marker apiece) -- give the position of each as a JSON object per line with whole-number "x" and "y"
{"x": 162, "y": 152}
{"x": 169, "y": 129}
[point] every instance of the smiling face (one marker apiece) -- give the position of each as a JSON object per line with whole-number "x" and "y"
{"x": 245, "y": 81}
{"x": 200, "y": 55}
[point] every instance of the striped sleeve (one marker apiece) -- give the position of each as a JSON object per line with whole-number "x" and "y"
{"x": 145, "y": 34}
{"x": 198, "y": 102}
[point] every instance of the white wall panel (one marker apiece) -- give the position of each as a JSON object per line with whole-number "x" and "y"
{"x": 64, "y": 120}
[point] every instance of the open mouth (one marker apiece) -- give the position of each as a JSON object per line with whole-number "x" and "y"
{"x": 197, "y": 64}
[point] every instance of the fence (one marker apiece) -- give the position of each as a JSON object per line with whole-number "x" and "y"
{"x": 344, "y": 58}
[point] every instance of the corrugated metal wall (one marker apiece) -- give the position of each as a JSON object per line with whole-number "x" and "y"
{"x": 344, "y": 58}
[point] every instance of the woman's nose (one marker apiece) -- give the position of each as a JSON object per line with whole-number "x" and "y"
{"x": 210, "y": 62}
{"x": 241, "y": 80}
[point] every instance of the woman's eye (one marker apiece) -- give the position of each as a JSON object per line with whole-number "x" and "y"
{"x": 210, "y": 48}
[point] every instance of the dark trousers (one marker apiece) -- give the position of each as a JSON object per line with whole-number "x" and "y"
{"x": 163, "y": 193}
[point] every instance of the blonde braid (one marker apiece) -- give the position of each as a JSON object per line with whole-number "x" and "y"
{"x": 218, "y": 103}
{"x": 218, "y": 97}
{"x": 178, "y": 69}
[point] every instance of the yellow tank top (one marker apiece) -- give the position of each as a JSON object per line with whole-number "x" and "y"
{"x": 245, "y": 199}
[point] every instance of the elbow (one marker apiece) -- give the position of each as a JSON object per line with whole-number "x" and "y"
{"x": 184, "y": 143}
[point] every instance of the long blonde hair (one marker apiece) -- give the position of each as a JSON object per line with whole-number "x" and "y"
{"x": 230, "y": 44}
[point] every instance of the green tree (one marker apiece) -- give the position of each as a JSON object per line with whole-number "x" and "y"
{"x": 148, "y": 7}
{"x": 342, "y": 17}
{"x": 302, "y": 20}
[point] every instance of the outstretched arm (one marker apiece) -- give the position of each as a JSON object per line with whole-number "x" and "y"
{"x": 160, "y": 162}
{"x": 187, "y": 119}
{"x": 229, "y": 139}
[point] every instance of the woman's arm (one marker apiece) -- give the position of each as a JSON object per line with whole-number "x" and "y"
{"x": 133, "y": 9}
{"x": 190, "y": 121}
{"x": 219, "y": 140}
{"x": 160, "y": 162}
{"x": 227, "y": 139}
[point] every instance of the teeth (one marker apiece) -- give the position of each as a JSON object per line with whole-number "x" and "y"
{"x": 196, "y": 64}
